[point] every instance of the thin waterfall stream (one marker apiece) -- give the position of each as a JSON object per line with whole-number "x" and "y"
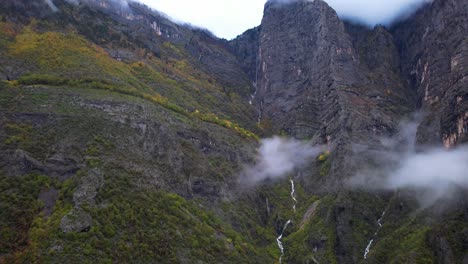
{"x": 369, "y": 245}
{"x": 278, "y": 239}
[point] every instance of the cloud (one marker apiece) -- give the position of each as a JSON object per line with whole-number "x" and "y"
{"x": 226, "y": 19}
{"x": 278, "y": 157}
{"x": 372, "y": 12}
{"x": 51, "y": 5}
{"x": 432, "y": 174}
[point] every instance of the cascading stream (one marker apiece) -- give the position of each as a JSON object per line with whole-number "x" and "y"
{"x": 293, "y": 195}
{"x": 278, "y": 239}
{"x": 369, "y": 245}
{"x": 368, "y": 248}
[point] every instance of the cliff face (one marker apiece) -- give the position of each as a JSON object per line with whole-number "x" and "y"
{"x": 329, "y": 81}
{"x": 433, "y": 47}
{"x": 245, "y": 47}
{"x": 321, "y": 78}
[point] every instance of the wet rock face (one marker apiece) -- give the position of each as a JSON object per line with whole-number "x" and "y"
{"x": 434, "y": 56}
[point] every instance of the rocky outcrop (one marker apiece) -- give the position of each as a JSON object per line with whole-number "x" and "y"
{"x": 87, "y": 190}
{"x": 78, "y": 220}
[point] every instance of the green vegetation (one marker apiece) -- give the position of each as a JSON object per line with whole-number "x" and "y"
{"x": 408, "y": 243}
{"x": 19, "y": 205}
{"x": 325, "y": 163}
{"x": 318, "y": 232}
{"x": 67, "y": 59}
{"x": 161, "y": 226}
{"x": 17, "y": 133}
{"x": 97, "y": 84}
{"x": 136, "y": 226}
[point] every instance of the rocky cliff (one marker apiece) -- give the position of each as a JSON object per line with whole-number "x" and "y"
{"x": 322, "y": 79}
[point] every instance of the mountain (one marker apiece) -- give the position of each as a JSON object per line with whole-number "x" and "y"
{"x": 124, "y": 135}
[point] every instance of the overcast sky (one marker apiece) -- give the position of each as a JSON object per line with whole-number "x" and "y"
{"x": 229, "y": 18}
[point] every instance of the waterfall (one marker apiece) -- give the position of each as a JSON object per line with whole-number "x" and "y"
{"x": 252, "y": 96}
{"x": 278, "y": 239}
{"x": 379, "y": 222}
{"x": 369, "y": 245}
{"x": 368, "y": 248}
{"x": 293, "y": 195}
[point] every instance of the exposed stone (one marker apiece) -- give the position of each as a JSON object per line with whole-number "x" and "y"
{"x": 309, "y": 214}
{"x": 87, "y": 190}
{"x": 76, "y": 221}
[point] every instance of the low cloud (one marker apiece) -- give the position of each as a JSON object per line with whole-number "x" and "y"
{"x": 51, "y": 5}
{"x": 277, "y": 157}
{"x": 372, "y": 12}
{"x": 432, "y": 174}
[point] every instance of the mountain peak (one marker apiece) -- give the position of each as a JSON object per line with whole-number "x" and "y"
{"x": 296, "y": 3}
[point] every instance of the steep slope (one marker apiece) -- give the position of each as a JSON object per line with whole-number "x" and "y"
{"x": 119, "y": 143}
{"x": 184, "y": 65}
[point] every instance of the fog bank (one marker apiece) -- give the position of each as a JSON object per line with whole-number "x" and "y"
{"x": 277, "y": 157}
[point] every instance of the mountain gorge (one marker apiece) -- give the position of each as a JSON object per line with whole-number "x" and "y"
{"x": 124, "y": 136}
